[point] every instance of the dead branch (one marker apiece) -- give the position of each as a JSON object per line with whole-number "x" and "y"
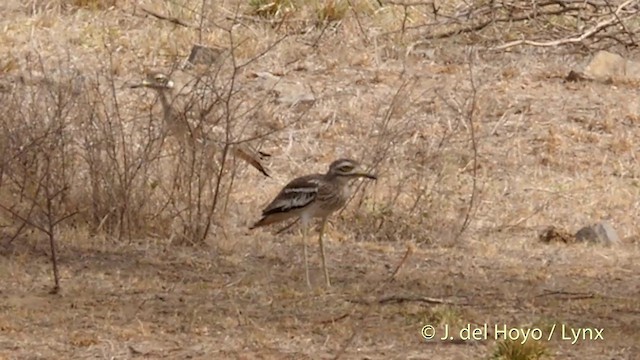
{"x": 423, "y": 299}
{"x": 611, "y": 21}
{"x": 170, "y": 19}
{"x": 567, "y": 295}
{"x": 474, "y": 147}
{"x": 628, "y": 32}
{"x": 601, "y": 20}
{"x": 397, "y": 299}
{"x": 410, "y": 250}
{"x": 412, "y": 3}
{"x": 336, "y": 318}
{"x": 23, "y": 219}
{"x": 456, "y": 20}
{"x": 286, "y": 227}
{"x": 360, "y": 27}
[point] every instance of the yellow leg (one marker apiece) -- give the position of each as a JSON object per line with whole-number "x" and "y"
{"x": 324, "y": 261}
{"x": 305, "y": 230}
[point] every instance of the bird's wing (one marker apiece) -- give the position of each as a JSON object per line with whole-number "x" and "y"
{"x": 297, "y": 194}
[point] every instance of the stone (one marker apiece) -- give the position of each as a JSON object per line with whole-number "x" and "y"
{"x": 600, "y": 233}
{"x": 606, "y": 66}
{"x": 203, "y": 55}
{"x": 288, "y": 92}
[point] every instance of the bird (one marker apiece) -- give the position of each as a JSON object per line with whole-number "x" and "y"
{"x": 314, "y": 196}
{"x": 176, "y": 123}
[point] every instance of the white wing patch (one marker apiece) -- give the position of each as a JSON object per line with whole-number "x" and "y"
{"x": 298, "y": 200}
{"x": 301, "y": 190}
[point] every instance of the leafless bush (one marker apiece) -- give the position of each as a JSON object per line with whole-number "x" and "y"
{"x": 214, "y": 104}
{"x": 86, "y": 145}
{"x": 145, "y": 181}
{"x": 38, "y": 168}
{"x": 118, "y": 154}
{"x": 434, "y": 192}
{"x": 199, "y": 174}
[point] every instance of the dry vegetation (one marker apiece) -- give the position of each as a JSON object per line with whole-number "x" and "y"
{"x": 478, "y": 142}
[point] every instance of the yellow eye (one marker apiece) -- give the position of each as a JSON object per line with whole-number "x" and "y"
{"x": 346, "y": 168}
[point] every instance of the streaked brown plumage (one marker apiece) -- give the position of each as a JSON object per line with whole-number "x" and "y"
{"x": 313, "y": 196}
{"x": 176, "y": 123}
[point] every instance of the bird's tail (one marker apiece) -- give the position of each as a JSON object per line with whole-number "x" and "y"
{"x": 251, "y": 157}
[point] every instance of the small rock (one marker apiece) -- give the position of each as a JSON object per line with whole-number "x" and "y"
{"x": 203, "y": 55}
{"x": 600, "y": 233}
{"x": 606, "y": 66}
{"x": 288, "y": 92}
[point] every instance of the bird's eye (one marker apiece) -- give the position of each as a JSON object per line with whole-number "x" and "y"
{"x": 346, "y": 168}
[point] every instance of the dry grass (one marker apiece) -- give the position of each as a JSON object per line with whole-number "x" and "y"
{"x": 514, "y": 350}
{"x": 141, "y": 274}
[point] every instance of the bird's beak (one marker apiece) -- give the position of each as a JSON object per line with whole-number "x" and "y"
{"x": 365, "y": 175}
{"x": 144, "y": 83}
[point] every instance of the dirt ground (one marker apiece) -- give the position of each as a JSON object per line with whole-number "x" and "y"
{"x": 550, "y": 152}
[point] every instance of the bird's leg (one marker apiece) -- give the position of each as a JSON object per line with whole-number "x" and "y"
{"x": 305, "y": 230}
{"x": 324, "y": 262}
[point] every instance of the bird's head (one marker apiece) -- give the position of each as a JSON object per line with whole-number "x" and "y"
{"x": 156, "y": 80}
{"x": 348, "y": 168}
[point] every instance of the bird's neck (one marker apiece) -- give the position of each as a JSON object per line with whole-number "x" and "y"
{"x": 342, "y": 180}
{"x": 166, "y": 104}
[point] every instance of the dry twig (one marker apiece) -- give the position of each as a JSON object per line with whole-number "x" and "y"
{"x": 170, "y": 19}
